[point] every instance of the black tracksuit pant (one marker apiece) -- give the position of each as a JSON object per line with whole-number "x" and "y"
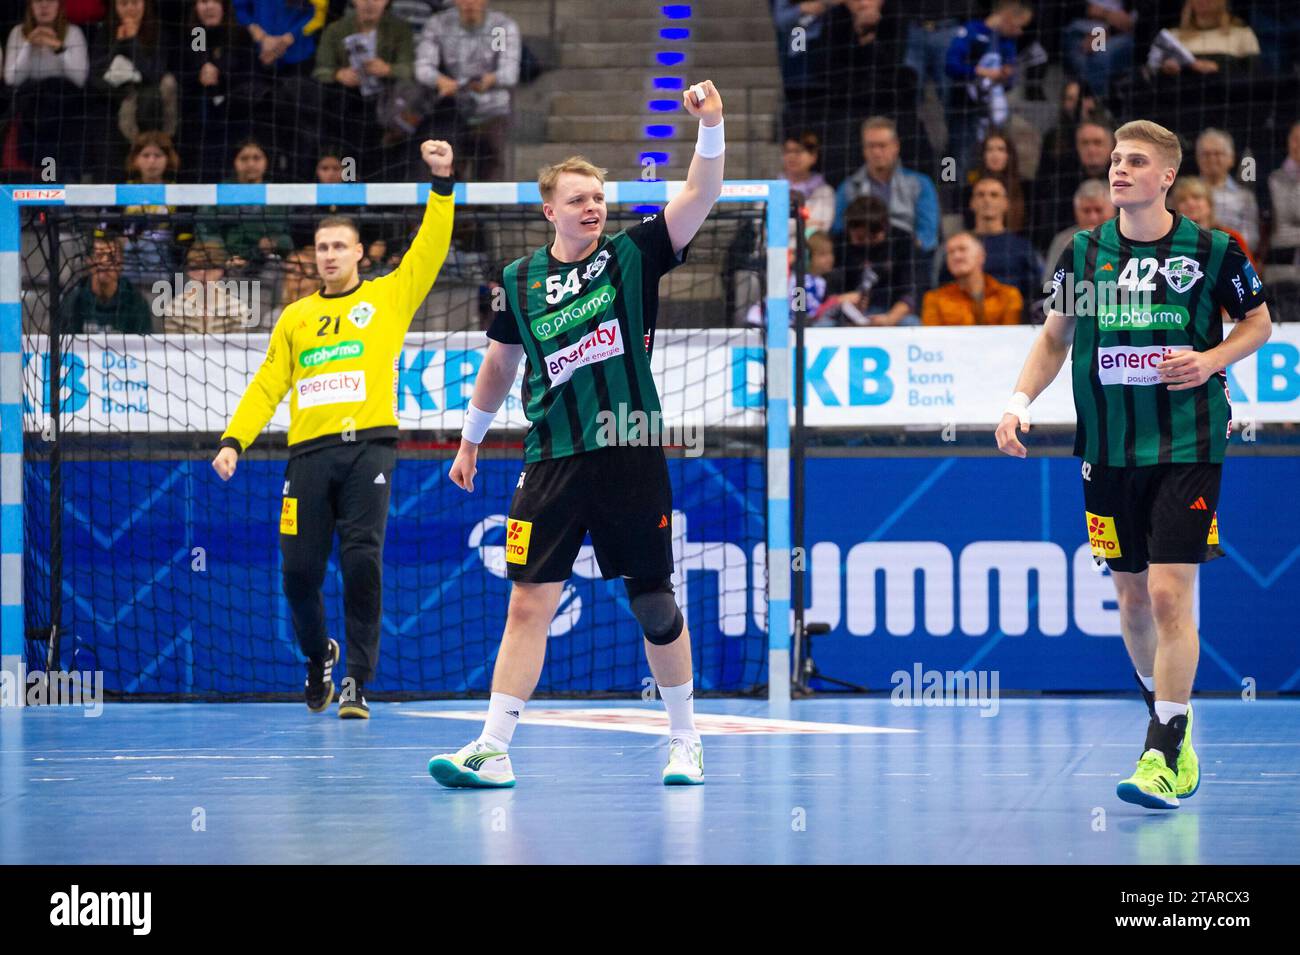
{"x": 341, "y": 487}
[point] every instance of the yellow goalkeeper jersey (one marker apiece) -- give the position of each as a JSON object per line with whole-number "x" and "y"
{"x": 336, "y": 355}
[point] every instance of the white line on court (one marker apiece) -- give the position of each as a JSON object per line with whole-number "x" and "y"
{"x": 140, "y": 759}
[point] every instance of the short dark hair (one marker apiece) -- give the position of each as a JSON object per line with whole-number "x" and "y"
{"x": 868, "y": 211}
{"x": 806, "y": 138}
{"x": 347, "y": 221}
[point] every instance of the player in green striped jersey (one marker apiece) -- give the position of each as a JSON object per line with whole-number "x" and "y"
{"x": 582, "y": 313}
{"x": 1140, "y": 299}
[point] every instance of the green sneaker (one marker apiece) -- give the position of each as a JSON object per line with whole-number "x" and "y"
{"x": 1154, "y": 785}
{"x": 474, "y": 766}
{"x": 1189, "y": 767}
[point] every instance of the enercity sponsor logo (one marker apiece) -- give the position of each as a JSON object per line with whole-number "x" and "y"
{"x": 84, "y": 688}
{"x": 1133, "y": 364}
{"x": 76, "y": 908}
{"x": 333, "y": 388}
{"x": 225, "y": 298}
{"x": 921, "y": 687}
{"x": 315, "y": 357}
{"x": 605, "y": 341}
{"x": 578, "y": 312}
{"x": 636, "y": 428}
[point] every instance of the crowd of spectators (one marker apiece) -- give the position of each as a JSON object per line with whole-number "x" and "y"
{"x": 980, "y": 200}
{"x": 82, "y": 79}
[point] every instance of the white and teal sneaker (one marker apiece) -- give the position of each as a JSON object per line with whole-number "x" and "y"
{"x": 685, "y": 762}
{"x": 474, "y": 766}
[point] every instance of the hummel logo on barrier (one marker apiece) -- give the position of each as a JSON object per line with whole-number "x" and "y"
{"x": 1198, "y": 505}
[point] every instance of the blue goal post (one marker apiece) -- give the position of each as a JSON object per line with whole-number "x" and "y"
{"x": 774, "y": 194}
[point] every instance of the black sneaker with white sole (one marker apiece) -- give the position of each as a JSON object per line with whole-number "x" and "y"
{"x": 320, "y": 680}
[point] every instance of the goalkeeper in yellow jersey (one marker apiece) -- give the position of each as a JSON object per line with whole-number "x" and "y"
{"x": 335, "y": 353}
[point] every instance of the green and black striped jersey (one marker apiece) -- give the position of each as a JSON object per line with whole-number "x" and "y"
{"x": 587, "y": 329}
{"x": 1134, "y": 304}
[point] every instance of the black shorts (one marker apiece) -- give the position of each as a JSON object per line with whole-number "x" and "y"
{"x": 1163, "y": 514}
{"x": 621, "y": 495}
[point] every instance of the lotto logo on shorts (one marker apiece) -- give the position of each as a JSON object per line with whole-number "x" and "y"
{"x": 289, "y": 516}
{"x": 1214, "y": 530}
{"x": 518, "y": 534}
{"x": 1101, "y": 536}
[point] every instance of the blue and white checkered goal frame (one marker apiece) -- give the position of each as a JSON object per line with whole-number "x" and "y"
{"x": 753, "y": 372}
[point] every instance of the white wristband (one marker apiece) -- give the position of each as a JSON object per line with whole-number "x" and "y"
{"x": 711, "y": 142}
{"x": 477, "y": 422}
{"x": 1019, "y": 406}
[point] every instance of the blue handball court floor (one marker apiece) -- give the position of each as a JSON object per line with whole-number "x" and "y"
{"x": 816, "y": 781}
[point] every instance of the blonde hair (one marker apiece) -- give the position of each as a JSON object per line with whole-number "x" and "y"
{"x": 1223, "y": 18}
{"x": 1187, "y": 186}
{"x": 820, "y": 242}
{"x": 549, "y": 176}
{"x": 1165, "y": 141}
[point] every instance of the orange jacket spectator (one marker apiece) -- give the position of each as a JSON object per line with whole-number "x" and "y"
{"x": 952, "y": 305}
{"x": 975, "y": 298}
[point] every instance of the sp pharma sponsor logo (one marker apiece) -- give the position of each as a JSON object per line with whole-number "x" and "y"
{"x": 314, "y": 357}
{"x": 334, "y": 388}
{"x": 605, "y": 341}
{"x": 1133, "y": 365}
{"x": 1125, "y": 318}
{"x": 578, "y": 312}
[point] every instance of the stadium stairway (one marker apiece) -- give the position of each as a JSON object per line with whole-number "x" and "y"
{"x": 594, "y": 100}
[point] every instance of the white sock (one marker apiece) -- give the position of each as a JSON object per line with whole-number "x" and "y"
{"x": 504, "y": 711}
{"x": 1166, "y": 711}
{"x": 680, "y": 703}
{"x": 1149, "y": 682}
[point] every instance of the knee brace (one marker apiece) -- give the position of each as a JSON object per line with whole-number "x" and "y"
{"x": 655, "y": 609}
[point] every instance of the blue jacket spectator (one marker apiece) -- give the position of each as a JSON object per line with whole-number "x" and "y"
{"x": 1010, "y": 258}
{"x": 982, "y": 58}
{"x": 910, "y": 196}
{"x": 269, "y": 21}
